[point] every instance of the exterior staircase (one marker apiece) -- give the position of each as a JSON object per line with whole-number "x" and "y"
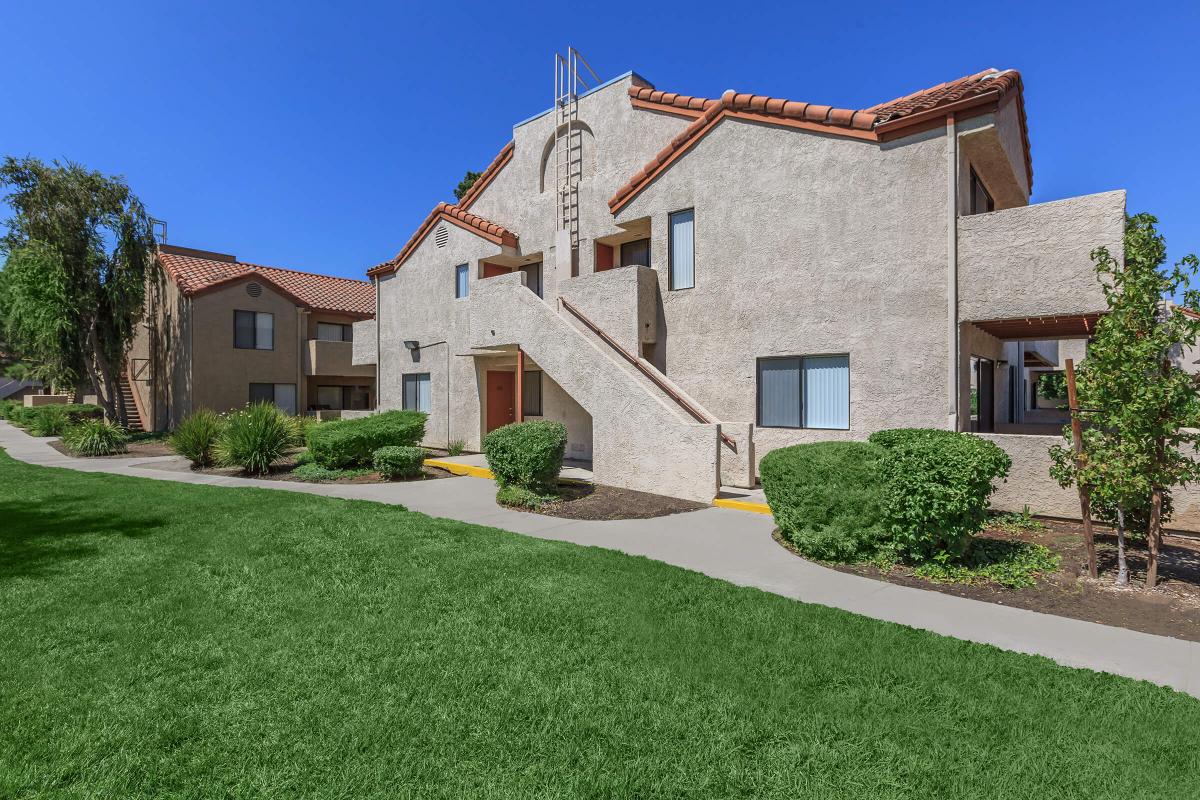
{"x": 129, "y": 408}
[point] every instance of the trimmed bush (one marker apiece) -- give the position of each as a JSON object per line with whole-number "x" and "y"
{"x": 196, "y": 437}
{"x": 827, "y": 498}
{"x": 6, "y": 406}
{"x": 937, "y": 485}
{"x": 52, "y": 420}
{"x": 517, "y": 497}
{"x": 398, "y": 462}
{"x": 95, "y": 437}
{"x": 527, "y": 454}
{"x": 344, "y": 443}
{"x": 255, "y": 439}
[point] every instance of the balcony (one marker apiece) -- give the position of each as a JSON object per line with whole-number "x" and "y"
{"x": 1035, "y": 261}
{"x": 323, "y": 357}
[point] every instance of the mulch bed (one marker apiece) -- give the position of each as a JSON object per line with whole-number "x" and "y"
{"x": 145, "y": 449}
{"x": 599, "y": 502}
{"x": 1170, "y": 609}
{"x": 283, "y": 472}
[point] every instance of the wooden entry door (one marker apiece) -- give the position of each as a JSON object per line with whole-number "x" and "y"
{"x": 501, "y": 408}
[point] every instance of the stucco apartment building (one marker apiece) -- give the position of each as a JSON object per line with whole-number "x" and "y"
{"x": 689, "y": 283}
{"x": 219, "y": 333}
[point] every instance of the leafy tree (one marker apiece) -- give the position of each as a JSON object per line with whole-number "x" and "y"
{"x": 1052, "y": 385}
{"x": 1139, "y": 406}
{"x": 465, "y": 184}
{"x": 78, "y": 246}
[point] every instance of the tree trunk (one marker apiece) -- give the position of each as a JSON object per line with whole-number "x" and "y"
{"x": 1122, "y": 565}
{"x": 101, "y": 376}
{"x": 1154, "y": 537}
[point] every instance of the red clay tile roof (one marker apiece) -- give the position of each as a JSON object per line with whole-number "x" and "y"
{"x": 486, "y": 176}
{"x": 866, "y": 124}
{"x": 199, "y": 271}
{"x": 455, "y": 215}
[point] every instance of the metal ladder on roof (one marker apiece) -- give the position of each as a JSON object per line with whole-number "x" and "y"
{"x": 568, "y": 139}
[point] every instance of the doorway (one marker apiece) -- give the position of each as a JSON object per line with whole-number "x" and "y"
{"x": 500, "y": 404}
{"x": 983, "y": 395}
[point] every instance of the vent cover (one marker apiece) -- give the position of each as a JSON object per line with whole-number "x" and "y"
{"x": 441, "y": 236}
{"x": 253, "y": 289}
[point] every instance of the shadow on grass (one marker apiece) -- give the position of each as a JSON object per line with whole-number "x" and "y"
{"x": 38, "y": 538}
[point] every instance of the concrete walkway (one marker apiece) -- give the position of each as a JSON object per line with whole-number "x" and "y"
{"x": 729, "y": 545}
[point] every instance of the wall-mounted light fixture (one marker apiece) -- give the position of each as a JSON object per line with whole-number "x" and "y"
{"x": 412, "y": 344}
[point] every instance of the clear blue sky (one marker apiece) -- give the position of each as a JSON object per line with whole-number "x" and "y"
{"x": 318, "y": 135}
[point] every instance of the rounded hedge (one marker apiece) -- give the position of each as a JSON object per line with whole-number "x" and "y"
{"x": 346, "y": 443}
{"x": 827, "y": 498}
{"x": 528, "y": 455}
{"x": 398, "y": 461}
{"x": 937, "y": 485}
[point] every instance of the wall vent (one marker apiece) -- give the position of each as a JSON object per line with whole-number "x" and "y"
{"x": 253, "y": 289}
{"x": 441, "y": 236}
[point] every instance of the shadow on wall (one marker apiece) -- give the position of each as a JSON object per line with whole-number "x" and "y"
{"x": 39, "y": 538}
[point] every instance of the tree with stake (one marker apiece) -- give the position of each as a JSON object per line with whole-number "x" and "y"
{"x": 1138, "y": 405}
{"x": 78, "y": 246}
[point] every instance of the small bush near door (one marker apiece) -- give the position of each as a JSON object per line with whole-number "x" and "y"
{"x": 346, "y": 443}
{"x": 827, "y": 498}
{"x": 527, "y": 455}
{"x": 398, "y": 462}
{"x": 196, "y": 437}
{"x": 255, "y": 439}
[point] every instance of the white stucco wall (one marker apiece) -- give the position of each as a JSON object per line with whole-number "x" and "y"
{"x": 364, "y": 343}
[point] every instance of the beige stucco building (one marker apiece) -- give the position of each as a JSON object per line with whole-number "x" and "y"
{"x": 219, "y": 333}
{"x": 690, "y": 283}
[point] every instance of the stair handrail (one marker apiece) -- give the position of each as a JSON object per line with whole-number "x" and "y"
{"x": 653, "y": 376}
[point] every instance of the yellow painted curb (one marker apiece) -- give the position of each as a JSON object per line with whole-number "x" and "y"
{"x": 454, "y": 468}
{"x": 742, "y": 505}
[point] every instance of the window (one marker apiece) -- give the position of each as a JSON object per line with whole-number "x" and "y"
{"x": 281, "y": 394}
{"x": 461, "y": 278}
{"x": 533, "y": 278}
{"x": 682, "y": 250}
{"x": 335, "y": 332}
{"x": 804, "y": 392}
{"x": 531, "y": 393}
{"x": 416, "y": 392}
{"x": 636, "y": 253}
{"x": 981, "y": 198}
{"x": 253, "y": 330}
{"x": 342, "y": 397}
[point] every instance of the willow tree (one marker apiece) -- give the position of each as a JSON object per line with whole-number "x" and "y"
{"x": 1141, "y": 409}
{"x": 77, "y": 248}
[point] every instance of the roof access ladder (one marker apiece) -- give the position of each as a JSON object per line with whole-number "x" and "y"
{"x": 568, "y": 139}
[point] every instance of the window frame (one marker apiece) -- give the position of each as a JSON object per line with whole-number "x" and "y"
{"x": 415, "y": 377}
{"x": 253, "y": 329}
{"x": 671, "y": 287}
{"x": 976, "y": 181}
{"x": 463, "y": 270}
{"x": 758, "y": 418}
{"x": 274, "y": 393}
{"x": 525, "y": 384}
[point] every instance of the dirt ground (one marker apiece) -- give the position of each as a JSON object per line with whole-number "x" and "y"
{"x": 283, "y": 472}
{"x": 584, "y": 501}
{"x": 1170, "y": 609}
{"x": 143, "y": 449}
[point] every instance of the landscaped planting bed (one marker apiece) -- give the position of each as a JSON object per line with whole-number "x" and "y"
{"x": 164, "y": 639}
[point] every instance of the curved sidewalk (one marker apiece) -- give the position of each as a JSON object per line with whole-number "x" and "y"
{"x": 730, "y": 545}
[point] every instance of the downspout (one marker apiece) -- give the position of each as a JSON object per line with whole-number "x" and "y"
{"x": 952, "y": 366}
{"x": 191, "y": 358}
{"x": 378, "y": 359}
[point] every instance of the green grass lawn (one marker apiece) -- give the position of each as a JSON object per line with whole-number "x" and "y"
{"x": 160, "y": 640}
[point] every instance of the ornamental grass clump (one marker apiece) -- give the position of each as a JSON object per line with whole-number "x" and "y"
{"x": 49, "y": 421}
{"x": 196, "y": 437}
{"x": 827, "y": 499}
{"x": 394, "y": 462}
{"x": 528, "y": 455}
{"x": 95, "y": 437}
{"x": 254, "y": 439}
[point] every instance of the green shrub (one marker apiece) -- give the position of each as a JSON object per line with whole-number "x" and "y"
{"x": 196, "y": 437}
{"x": 315, "y": 472}
{"x": 352, "y": 442}
{"x": 1015, "y": 565}
{"x": 937, "y": 485}
{"x": 527, "y": 454}
{"x": 827, "y": 498}
{"x": 95, "y": 437}
{"x": 300, "y": 426}
{"x": 49, "y": 421}
{"x": 456, "y": 447}
{"x": 255, "y": 438}
{"x": 518, "y": 497}
{"x": 396, "y": 461}
{"x": 5, "y": 407}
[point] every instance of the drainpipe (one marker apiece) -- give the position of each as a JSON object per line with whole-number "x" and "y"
{"x": 378, "y": 359}
{"x": 952, "y": 366}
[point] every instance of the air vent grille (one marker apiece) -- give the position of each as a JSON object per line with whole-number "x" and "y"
{"x": 441, "y": 236}
{"x": 253, "y": 289}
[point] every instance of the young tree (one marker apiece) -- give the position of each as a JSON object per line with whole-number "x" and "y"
{"x": 78, "y": 246}
{"x": 465, "y": 184}
{"x": 1138, "y": 405}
